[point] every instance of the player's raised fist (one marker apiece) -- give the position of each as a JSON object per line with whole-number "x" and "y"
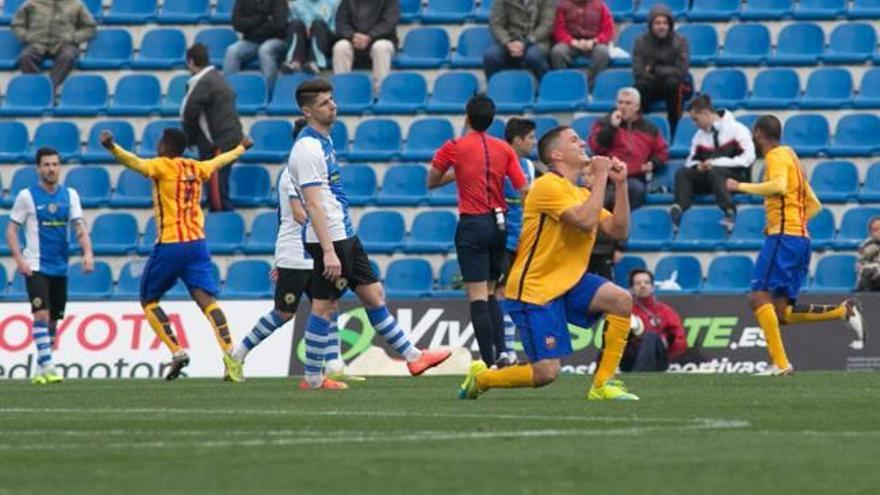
{"x": 247, "y": 142}
{"x": 600, "y": 165}
{"x": 107, "y": 139}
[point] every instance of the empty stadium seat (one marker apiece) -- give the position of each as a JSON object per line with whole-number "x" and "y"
{"x": 404, "y": 185}
{"x": 61, "y": 135}
{"x": 582, "y": 125}
{"x": 425, "y": 137}
{"x": 855, "y": 135}
{"x": 496, "y": 128}
{"x": 402, "y": 92}
{"x": 684, "y": 270}
{"x": 650, "y": 229}
{"x": 662, "y": 184}
{"x": 410, "y": 10}
{"x": 821, "y": 228}
{"x": 222, "y": 13}
{"x": 352, "y": 92}
{"x": 626, "y": 40}
{"x": 432, "y": 232}
{"x": 424, "y": 48}
{"x": 9, "y": 9}
{"x": 224, "y": 231}
{"x": 678, "y": 8}
{"x": 183, "y": 11}
{"x": 92, "y": 286}
{"x": 729, "y": 274}
{"x": 800, "y": 43}
{"x": 835, "y": 181}
{"x": 114, "y": 234}
{"x": 727, "y": 87}
{"x": 3, "y": 283}
{"x": 864, "y": 9}
{"x": 409, "y": 279}
{"x": 745, "y": 44}
{"x": 152, "y": 133}
{"x": 95, "y": 8}
{"x": 775, "y": 89}
{"x": 92, "y": 183}
{"x": 250, "y": 92}
{"x": 273, "y": 140}
{"x": 713, "y": 10}
{"x": 608, "y": 83}
{"x": 161, "y": 49}
{"x": 27, "y": 95}
{"x": 82, "y": 94}
{"x": 109, "y": 49}
{"x": 173, "y": 97}
{"x": 129, "y": 282}
{"x": 22, "y": 178}
{"x": 472, "y": 43}
{"x": 662, "y": 125}
{"x": 447, "y": 11}
{"x": 217, "y": 40}
{"x": 451, "y": 92}
{"x": 870, "y": 193}
{"x": 449, "y": 281}
{"x": 513, "y": 91}
{"x": 828, "y": 88}
{"x": 819, "y": 9}
{"x": 627, "y": 264}
{"x": 250, "y": 185}
{"x": 4, "y": 224}
{"x": 13, "y": 141}
{"x": 851, "y": 43}
{"x": 376, "y": 140}
{"x": 701, "y": 229}
{"x": 359, "y": 184}
{"x": 148, "y": 239}
{"x": 10, "y": 47}
{"x": 748, "y": 231}
{"x": 133, "y": 190}
{"x": 869, "y": 90}
{"x": 854, "y": 227}
{"x": 766, "y": 10}
{"x": 283, "y": 94}
{"x": 702, "y": 40}
{"x": 684, "y": 133}
{"x": 445, "y": 195}
{"x": 807, "y": 134}
{"x": 131, "y": 12}
{"x": 248, "y": 279}
{"x": 835, "y": 273}
{"x": 562, "y": 91}
{"x": 136, "y": 94}
{"x": 381, "y": 231}
{"x": 264, "y": 232}
{"x": 123, "y": 135}
{"x": 339, "y": 136}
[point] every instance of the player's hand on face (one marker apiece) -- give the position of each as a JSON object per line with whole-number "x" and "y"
{"x": 732, "y": 185}
{"x": 107, "y": 139}
{"x": 24, "y": 268}
{"x": 247, "y": 142}
{"x": 332, "y": 266}
{"x": 88, "y": 264}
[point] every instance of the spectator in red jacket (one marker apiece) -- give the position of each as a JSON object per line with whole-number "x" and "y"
{"x": 627, "y": 135}
{"x": 582, "y": 27}
{"x": 663, "y": 338}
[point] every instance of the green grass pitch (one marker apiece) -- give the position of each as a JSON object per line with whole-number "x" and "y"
{"x": 701, "y": 434}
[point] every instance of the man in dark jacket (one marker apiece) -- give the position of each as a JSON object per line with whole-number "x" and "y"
{"x": 263, "y": 28}
{"x": 522, "y": 31}
{"x": 366, "y": 28}
{"x": 210, "y": 120}
{"x": 660, "y": 62}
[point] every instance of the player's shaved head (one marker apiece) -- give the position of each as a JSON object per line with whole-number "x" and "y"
{"x": 549, "y": 141}
{"x": 769, "y": 128}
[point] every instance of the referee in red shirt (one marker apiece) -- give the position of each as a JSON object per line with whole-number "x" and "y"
{"x": 480, "y": 163}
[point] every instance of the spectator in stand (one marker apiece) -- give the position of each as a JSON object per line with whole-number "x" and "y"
{"x": 366, "y": 28}
{"x": 868, "y": 264}
{"x": 663, "y": 338}
{"x": 263, "y": 28}
{"x": 311, "y": 35}
{"x": 721, "y": 149}
{"x": 582, "y": 27}
{"x": 52, "y": 29}
{"x": 660, "y": 62}
{"x": 522, "y": 31}
{"x": 627, "y": 135}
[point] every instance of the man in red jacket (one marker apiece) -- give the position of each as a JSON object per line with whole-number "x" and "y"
{"x": 663, "y": 338}
{"x": 582, "y": 27}
{"x": 625, "y": 134}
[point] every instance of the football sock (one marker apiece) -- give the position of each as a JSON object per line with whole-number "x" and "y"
{"x": 331, "y": 352}
{"x": 44, "y": 344}
{"x": 481, "y": 319}
{"x": 267, "y": 324}
{"x": 387, "y": 327}
{"x": 316, "y": 344}
{"x": 616, "y": 332}
{"x": 509, "y": 334}
{"x": 520, "y": 376}
{"x": 766, "y": 316}
{"x": 497, "y": 326}
{"x": 802, "y": 313}
{"x": 53, "y": 329}
{"x": 160, "y": 324}
{"x": 217, "y": 319}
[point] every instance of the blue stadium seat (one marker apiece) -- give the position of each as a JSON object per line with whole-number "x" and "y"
{"x": 702, "y": 40}
{"x": 747, "y": 119}
{"x": 663, "y": 183}
{"x": 864, "y": 9}
{"x": 250, "y": 186}
{"x": 806, "y": 133}
{"x": 152, "y": 134}
{"x": 446, "y": 195}
{"x": 129, "y": 282}
{"x": 582, "y": 125}
{"x": 626, "y": 41}
{"x": 248, "y": 279}
{"x": 9, "y": 9}
{"x": 425, "y": 136}
{"x": 410, "y": 10}
{"x": 183, "y": 11}
{"x": 272, "y": 141}
{"x": 870, "y": 193}
{"x": 748, "y": 231}
{"x": 855, "y": 135}
{"x": 264, "y": 232}
{"x": 608, "y": 83}
{"x": 819, "y": 9}
{"x": 854, "y": 227}
{"x": 542, "y": 125}
{"x": 61, "y": 135}
{"x": 133, "y": 190}
{"x": 701, "y": 229}
{"x": 114, "y": 234}
{"x": 851, "y": 43}
{"x": 451, "y": 92}
{"x": 766, "y": 10}
{"x": 353, "y": 92}
{"x": 136, "y": 94}
{"x": 359, "y": 184}
{"x": 250, "y": 92}
{"x": 562, "y": 91}
{"x": 835, "y": 273}
{"x": 729, "y": 274}
{"x": 148, "y": 240}
{"x": 92, "y": 183}
{"x": 95, "y": 8}
{"x": 123, "y": 135}
{"x": 222, "y": 13}
{"x": 13, "y": 141}
{"x": 513, "y": 91}
{"x": 684, "y": 134}
{"x": 176, "y": 90}
{"x": 217, "y": 40}
{"x": 3, "y": 283}
{"x": 713, "y": 10}
{"x": 402, "y": 93}
{"x": 82, "y": 94}
{"x": 339, "y": 136}
{"x": 745, "y": 44}
{"x": 4, "y": 224}
{"x": 678, "y": 8}
{"x": 10, "y": 47}
{"x": 27, "y": 95}
{"x": 447, "y": 11}
{"x": 662, "y": 125}
{"x": 869, "y": 90}
{"x": 424, "y": 48}
{"x": 775, "y": 89}
{"x": 283, "y": 95}
{"x": 109, "y": 49}
{"x": 472, "y": 43}
{"x": 821, "y": 228}
{"x": 381, "y": 231}
{"x": 131, "y": 12}
{"x": 225, "y": 232}
{"x": 496, "y": 129}
{"x": 161, "y": 49}
{"x": 650, "y": 229}
{"x": 376, "y": 140}
{"x": 432, "y": 232}
{"x": 93, "y": 286}
{"x": 623, "y": 268}
{"x": 404, "y": 185}
{"x": 727, "y": 87}
{"x": 409, "y": 278}
{"x": 684, "y": 270}
{"x": 22, "y": 178}
{"x": 828, "y": 88}
{"x": 621, "y": 9}
{"x": 835, "y": 181}
{"x": 801, "y": 43}
{"x": 449, "y": 283}
{"x": 481, "y": 13}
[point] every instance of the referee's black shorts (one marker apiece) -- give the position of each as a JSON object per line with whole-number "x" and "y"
{"x": 479, "y": 244}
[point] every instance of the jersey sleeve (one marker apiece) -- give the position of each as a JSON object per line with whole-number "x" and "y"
{"x": 149, "y": 168}
{"x": 445, "y": 157}
{"x": 307, "y": 164}
{"x": 550, "y": 197}
{"x": 76, "y": 211}
{"x": 22, "y": 208}
{"x": 206, "y": 168}
{"x": 778, "y": 165}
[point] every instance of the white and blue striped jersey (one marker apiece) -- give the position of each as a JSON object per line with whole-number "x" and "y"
{"x": 46, "y": 218}
{"x": 312, "y": 163}
{"x": 289, "y": 250}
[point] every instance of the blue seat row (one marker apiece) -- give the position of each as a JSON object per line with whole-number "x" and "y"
{"x": 146, "y": 11}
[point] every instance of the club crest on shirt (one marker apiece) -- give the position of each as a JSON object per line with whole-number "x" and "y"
{"x": 289, "y": 298}
{"x": 52, "y": 207}
{"x": 36, "y": 302}
{"x": 550, "y": 342}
